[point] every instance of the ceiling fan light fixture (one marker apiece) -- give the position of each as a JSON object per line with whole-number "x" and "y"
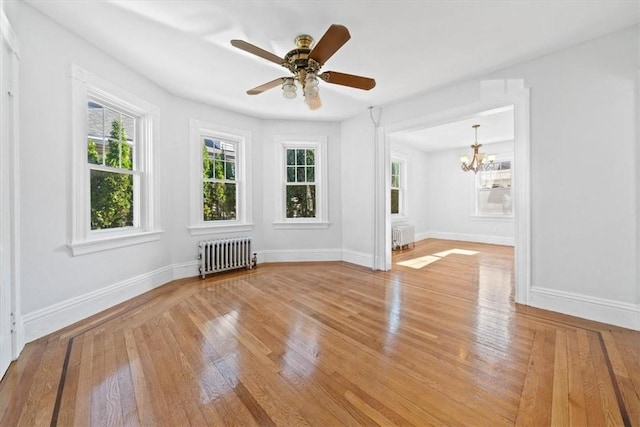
{"x": 289, "y": 89}
{"x": 313, "y": 102}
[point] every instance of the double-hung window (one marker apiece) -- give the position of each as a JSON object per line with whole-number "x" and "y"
{"x": 302, "y": 199}
{"x": 114, "y": 175}
{"x": 219, "y": 187}
{"x": 494, "y": 191}
{"x": 220, "y": 196}
{"x": 114, "y": 196}
{"x": 398, "y": 186}
{"x": 300, "y": 193}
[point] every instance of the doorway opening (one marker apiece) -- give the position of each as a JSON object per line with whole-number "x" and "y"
{"x": 515, "y": 104}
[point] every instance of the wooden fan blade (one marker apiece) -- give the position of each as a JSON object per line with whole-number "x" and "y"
{"x": 335, "y": 37}
{"x": 248, "y": 47}
{"x": 350, "y": 80}
{"x": 269, "y": 85}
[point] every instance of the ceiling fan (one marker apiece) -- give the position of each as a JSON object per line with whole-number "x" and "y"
{"x": 305, "y": 62}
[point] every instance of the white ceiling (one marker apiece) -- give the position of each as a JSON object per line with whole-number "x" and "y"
{"x": 407, "y": 46}
{"x": 495, "y": 126}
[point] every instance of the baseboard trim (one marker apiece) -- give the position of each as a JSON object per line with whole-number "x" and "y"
{"x": 598, "y": 309}
{"x": 300, "y": 255}
{"x": 49, "y": 319}
{"x": 358, "y": 258}
{"x": 477, "y": 238}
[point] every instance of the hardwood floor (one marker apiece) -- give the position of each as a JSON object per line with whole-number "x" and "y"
{"x": 331, "y": 344}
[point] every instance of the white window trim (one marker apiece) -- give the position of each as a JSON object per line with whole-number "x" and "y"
{"x": 402, "y": 215}
{"x": 242, "y": 138}
{"x": 319, "y": 143}
{"x": 475, "y": 216}
{"x": 83, "y": 240}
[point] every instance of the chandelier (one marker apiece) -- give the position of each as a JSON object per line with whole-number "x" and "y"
{"x": 478, "y": 162}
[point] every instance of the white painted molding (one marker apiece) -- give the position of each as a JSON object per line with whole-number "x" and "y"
{"x": 494, "y": 94}
{"x": 49, "y": 319}
{"x": 476, "y": 238}
{"x": 186, "y": 269}
{"x": 7, "y": 33}
{"x": 358, "y": 258}
{"x": 422, "y": 236}
{"x": 300, "y": 255}
{"x": 587, "y": 307}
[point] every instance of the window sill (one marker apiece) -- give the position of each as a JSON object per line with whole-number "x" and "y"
{"x": 200, "y": 230}
{"x": 300, "y": 225}
{"x": 108, "y": 243}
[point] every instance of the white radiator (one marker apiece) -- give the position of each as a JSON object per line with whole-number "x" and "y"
{"x": 403, "y": 235}
{"x": 225, "y": 254}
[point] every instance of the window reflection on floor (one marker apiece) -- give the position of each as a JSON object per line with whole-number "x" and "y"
{"x": 423, "y": 261}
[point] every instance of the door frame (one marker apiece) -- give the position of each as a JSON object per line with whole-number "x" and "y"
{"x": 510, "y": 93}
{"x": 10, "y": 203}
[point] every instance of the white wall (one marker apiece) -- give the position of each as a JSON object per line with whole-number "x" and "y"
{"x": 302, "y": 244}
{"x": 583, "y": 172}
{"x": 358, "y": 189}
{"x": 450, "y": 199}
{"x": 57, "y": 288}
{"x": 45, "y": 152}
{"x": 417, "y": 189}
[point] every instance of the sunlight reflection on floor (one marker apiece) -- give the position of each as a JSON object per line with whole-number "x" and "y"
{"x": 423, "y": 261}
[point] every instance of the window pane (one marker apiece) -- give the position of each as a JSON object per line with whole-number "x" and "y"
{"x": 219, "y": 201}
{"x": 119, "y": 151}
{"x": 291, "y": 157}
{"x": 94, "y": 152}
{"x": 300, "y": 157}
{"x": 494, "y": 201}
{"x": 395, "y": 168}
{"x": 111, "y": 200}
{"x": 301, "y": 201}
{"x": 311, "y": 157}
{"x": 230, "y": 171}
{"x": 395, "y": 201}
{"x": 311, "y": 173}
{"x": 395, "y": 181}
{"x": 494, "y": 190}
{"x": 219, "y": 170}
{"x": 207, "y": 168}
{"x": 291, "y": 174}
{"x": 300, "y": 174}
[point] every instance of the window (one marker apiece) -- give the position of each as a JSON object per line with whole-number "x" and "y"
{"x": 398, "y": 186}
{"x": 396, "y": 168}
{"x": 302, "y": 201}
{"x": 300, "y": 196}
{"x": 219, "y": 189}
{"x": 114, "y": 199}
{"x": 113, "y": 174}
{"x": 219, "y": 194}
{"x": 493, "y": 191}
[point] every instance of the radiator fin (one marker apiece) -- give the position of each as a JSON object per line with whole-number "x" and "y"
{"x": 225, "y": 254}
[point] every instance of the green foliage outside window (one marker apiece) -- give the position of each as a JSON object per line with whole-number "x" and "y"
{"x": 395, "y": 187}
{"x": 300, "y": 197}
{"x": 111, "y": 191}
{"x": 219, "y": 188}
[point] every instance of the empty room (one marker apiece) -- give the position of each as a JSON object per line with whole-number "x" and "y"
{"x": 319, "y": 213}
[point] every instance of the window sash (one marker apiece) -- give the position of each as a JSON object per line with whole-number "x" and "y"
{"x": 494, "y": 188}
{"x": 222, "y": 153}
